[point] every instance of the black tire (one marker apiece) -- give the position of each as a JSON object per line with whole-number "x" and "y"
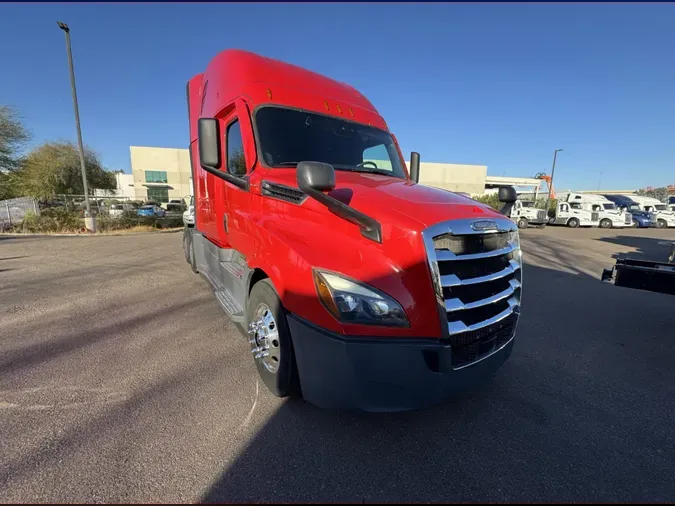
{"x": 186, "y": 244}
{"x": 551, "y": 220}
{"x": 635, "y": 224}
{"x": 522, "y": 222}
{"x": 543, "y": 225}
{"x": 661, "y": 224}
{"x": 191, "y": 251}
{"x": 573, "y": 223}
{"x": 284, "y": 381}
{"x": 605, "y": 223}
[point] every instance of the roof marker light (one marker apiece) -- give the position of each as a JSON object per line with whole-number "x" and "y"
{"x": 339, "y": 109}
{"x": 269, "y": 93}
{"x": 351, "y": 113}
{"x": 325, "y": 105}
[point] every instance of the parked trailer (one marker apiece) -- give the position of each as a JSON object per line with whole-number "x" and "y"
{"x": 356, "y": 286}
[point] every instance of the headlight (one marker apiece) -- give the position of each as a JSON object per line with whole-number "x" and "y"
{"x": 353, "y": 302}
{"x": 514, "y": 239}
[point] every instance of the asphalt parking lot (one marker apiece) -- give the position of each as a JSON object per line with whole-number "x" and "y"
{"x": 121, "y": 380}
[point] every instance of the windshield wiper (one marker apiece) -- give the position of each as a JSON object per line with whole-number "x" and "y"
{"x": 366, "y": 170}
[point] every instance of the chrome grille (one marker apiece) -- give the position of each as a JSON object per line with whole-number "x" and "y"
{"x": 629, "y": 219}
{"x": 541, "y": 215}
{"x": 595, "y": 216}
{"x": 477, "y": 278}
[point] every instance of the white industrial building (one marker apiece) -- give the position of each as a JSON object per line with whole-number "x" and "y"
{"x": 163, "y": 174}
{"x": 125, "y": 188}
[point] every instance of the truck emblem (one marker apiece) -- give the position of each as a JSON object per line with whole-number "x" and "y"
{"x": 484, "y": 225}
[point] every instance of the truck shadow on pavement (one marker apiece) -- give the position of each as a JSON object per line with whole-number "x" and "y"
{"x": 647, "y": 248}
{"x": 577, "y": 413}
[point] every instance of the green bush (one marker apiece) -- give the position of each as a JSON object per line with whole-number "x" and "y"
{"x": 493, "y": 201}
{"x": 490, "y": 200}
{"x": 55, "y": 219}
{"x": 61, "y": 220}
{"x": 173, "y": 221}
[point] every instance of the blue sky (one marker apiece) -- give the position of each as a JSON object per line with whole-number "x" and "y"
{"x": 495, "y": 84}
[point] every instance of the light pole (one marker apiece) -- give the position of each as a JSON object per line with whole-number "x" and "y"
{"x": 89, "y": 220}
{"x": 550, "y": 186}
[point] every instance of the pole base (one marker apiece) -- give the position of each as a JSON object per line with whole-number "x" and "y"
{"x": 90, "y": 224}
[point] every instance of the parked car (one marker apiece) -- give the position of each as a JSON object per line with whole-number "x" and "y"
{"x": 118, "y": 210}
{"x": 176, "y": 206}
{"x": 152, "y": 210}
{"x": 189, "y": 215}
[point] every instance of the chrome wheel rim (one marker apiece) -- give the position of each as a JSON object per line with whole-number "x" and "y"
{"x": 264, "y": 338}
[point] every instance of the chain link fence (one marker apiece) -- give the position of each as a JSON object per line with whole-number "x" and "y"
{"x": 65, "y": 213}
{"x": 13, "y": 211}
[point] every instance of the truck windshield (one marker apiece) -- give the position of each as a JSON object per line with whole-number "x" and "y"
{"x": 609, "y": 207}
{"x": 528, "y": 204}
{"x": 288, "y": 137}
{"x": 661, "y": 207}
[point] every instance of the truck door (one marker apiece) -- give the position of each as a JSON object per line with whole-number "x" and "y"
{"x": 563, "y": 213}
{"x": 239, "y": 159}
{"x": 515, "y": 212}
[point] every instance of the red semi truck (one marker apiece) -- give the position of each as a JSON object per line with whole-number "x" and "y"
{"x": 357, "y": 287}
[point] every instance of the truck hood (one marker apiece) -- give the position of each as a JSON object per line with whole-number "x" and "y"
{"x": 397, "y": 202}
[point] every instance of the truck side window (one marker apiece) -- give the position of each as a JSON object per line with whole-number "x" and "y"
{"x": 236, "y": 164}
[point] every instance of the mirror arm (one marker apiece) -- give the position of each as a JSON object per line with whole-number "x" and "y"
{"x": 370, "y": 228}
{"x": 242, "y": 183}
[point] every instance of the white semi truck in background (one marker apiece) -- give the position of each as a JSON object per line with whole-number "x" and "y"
{"x": 609, "y": 216}
{"x": 524, "y": 213}
{"x": 573, "y": 215}
{"x": 665, "y": 217}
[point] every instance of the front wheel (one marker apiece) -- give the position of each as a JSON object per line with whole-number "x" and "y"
{"x": 635, "y": 224}
{"x": 186, "y": 244}
{"x": 606, "y": 223}
{"x": 522, "y": 222}
{"x": 661, "y": 224}
{"x": 270, "y": 340}
{"x": 190, "y": 250}
{"x": 573, "y": 223}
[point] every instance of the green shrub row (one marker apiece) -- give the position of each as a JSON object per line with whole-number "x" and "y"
{"x": 61, "y": 220}
{"x": 493, "y": 201}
